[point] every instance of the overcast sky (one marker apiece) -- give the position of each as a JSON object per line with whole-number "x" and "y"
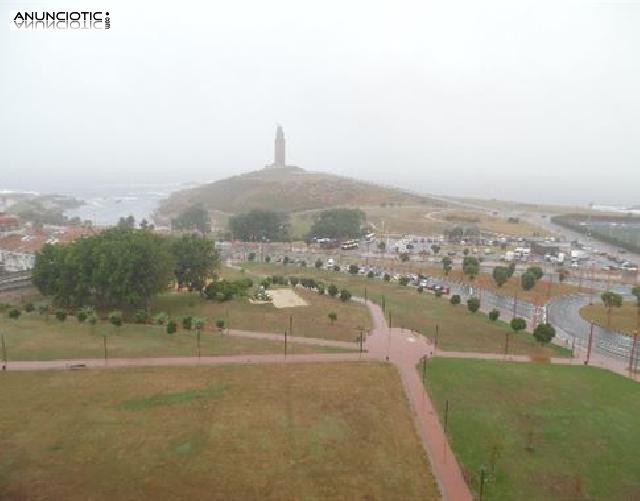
{"x": 519, "y": 100}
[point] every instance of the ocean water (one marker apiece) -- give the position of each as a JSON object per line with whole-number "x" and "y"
{"x": 105, "y": 204}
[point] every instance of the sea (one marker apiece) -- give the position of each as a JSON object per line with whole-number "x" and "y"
{"x": 105, "y": 204}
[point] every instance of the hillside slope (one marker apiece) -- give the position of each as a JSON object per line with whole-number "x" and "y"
{"x": 289, "y": 189}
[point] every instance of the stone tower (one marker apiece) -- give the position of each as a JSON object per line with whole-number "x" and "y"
{"x": 279, "y": 157}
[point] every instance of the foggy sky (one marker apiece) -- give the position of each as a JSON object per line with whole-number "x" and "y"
{"x": 536, "y": 101}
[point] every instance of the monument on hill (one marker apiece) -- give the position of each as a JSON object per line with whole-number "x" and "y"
{"x": 279, "y": 150}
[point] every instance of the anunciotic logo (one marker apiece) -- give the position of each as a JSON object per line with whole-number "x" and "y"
{"x": 59, "y": 20}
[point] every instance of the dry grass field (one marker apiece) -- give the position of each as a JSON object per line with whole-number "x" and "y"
{"x": 624, "y": 319}
{"x": 267, "y": 432}
{"x": 308, "y": 321}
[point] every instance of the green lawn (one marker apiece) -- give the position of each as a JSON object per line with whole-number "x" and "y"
{"x": 34, "y": 338}
{"x": 272, "y": 432}
{"x": 552, "y": 432}
{"x": 459, "y": 329}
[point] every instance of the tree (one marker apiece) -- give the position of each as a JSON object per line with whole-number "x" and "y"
{"x": 187, "y": 322}
{"x": 494, "y": 315}
{"x": 536, "y": 271}
{"x": 435, "y": 248}
{"x": 194, "y": 218}
{"x": 345, "y": 295}
{"x": 196, "y": 260}
{"x": 470, "y": 267}
{"x": 382, "y": 246}
{"x": 636, "y": 292}
{"x": 403, "y": 281}
{"x": 61, "y": 315}
{"x": 544, "y": 333}
{"x": 118, "y": 267}
{"x": 354, "y": 269}
{"x": 172, "y": 327}
{"x": 318, "y": 263}
{"x": 14, "y": 313}
{"x": 611, "y": 300}
{"x": 333, "y": 316}
{"x": 473, "y": 304}
{"x": 332, "y": 290}
{"x": 528, "y": 281}
{"x": 128, "y": 222}
{"x": 446, "y": 265}
{"x": 455, "y": 299}
{"x": 465, "y": 251}
{"x": 220, "y": 323}
{"x": 511, "y": 268}
{"x": 387, "y": 277}
{"x": 338, "y": 223}
{"x": 404, "y": 257}
{"x": 500, "y": 275}
{"x": 29, "y": 307}
{"x": 370, "y": 274}
{"x": 258, "y": 224}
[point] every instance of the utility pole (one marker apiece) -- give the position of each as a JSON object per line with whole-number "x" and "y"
{"x": 198, "y": 341}
{"x": 104, "y": 338}
{"x": 589, "y": 345}
{"x": 4, "y": 354}
{"x": 515, "y": 305}
{"x": 290, "y": 324}
{"x": 285, "y": 344}
{"x": 435, "y": 344}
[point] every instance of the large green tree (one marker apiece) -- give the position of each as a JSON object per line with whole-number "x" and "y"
{"x": 259, "y": 225}
{"x": 196, "y": 259}
{"x": 470, "y": 267}
{"x": 118, "y": 267}
{"x": 338, "y": 223}
{"x": 500, "y": 275}
{"x": 611, "y": 300}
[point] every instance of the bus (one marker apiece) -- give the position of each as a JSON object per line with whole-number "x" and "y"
{"x": 349, "y": 245}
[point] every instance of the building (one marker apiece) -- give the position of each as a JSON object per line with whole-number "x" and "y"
{"x": 279, "y": 150}
{"x": 8, "y": 223}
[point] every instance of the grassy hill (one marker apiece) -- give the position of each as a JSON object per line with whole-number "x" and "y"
{"x": 290, "y": 190}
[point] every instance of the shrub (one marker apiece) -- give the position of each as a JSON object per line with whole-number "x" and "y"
{"x": 518, "y": 324}
{"x": 115, "y": 318}
{"x": 473, "y": 304}
{"x": 141, "y": 316}
{"x": 354, "y": 269}
{"x": 439, "y": 293}
{"x": 420, "y": 289}
{"x": 387, "y": 277}
{"x": 318, "y": 263}
{"x": 220, "y": 324}
{"x": 43, "y": 309}
{"x": 370, "y": 274}
{"x": 171, "y": 327}
{"x": 333, "y": 316}
{"x": 29, "y": 307}
{"x": 404, "y": 257}
{"x": 267, "y": 259}
{"x": 187, "y": 322}
{"x": 403, "y": 281}
{"x": 455, "y": 299}
{"x": 61, "y": 315}
{"x": 321, "y": 289}
{"x": 345, "y": 295}
{"x": 494, "y": 315}
{"x": 332, "y": 290}
{"x": 285, "y": 260}
{"x": 92, "y": 319}
{"x": 544, "y": 333}
{"x": 336, "y": 268}
{"x": 82, "y": 315}
{"x": 251, "y": 256}
{"x": 161, "y": 318}
{"x": 199, "y": 323}
{"x": 293, "y": 281}
{"x": 303, "y": 264}
{"x": 536, "y": 271}
{"x": 14, "y": 313}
